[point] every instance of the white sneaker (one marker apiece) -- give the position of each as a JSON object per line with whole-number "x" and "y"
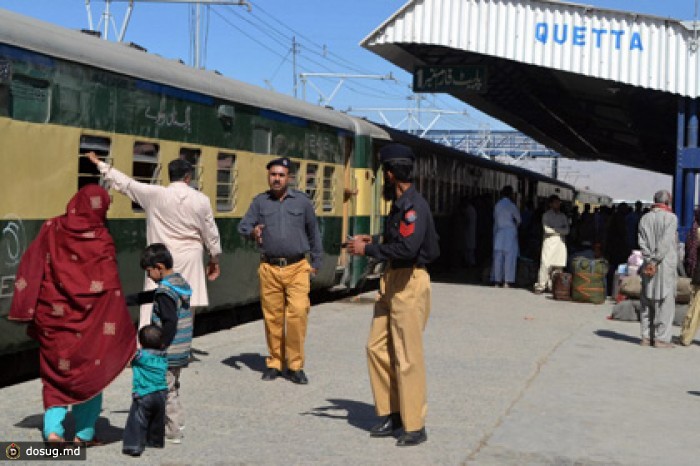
{"x": 175, "y": 440}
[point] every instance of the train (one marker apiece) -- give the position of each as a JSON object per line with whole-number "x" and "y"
{"x": 64, "y": 93}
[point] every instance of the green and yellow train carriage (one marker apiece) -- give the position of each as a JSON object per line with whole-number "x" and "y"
{"x": 63, "y": 93}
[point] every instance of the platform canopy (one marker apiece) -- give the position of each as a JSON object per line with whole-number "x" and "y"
{"x": 590, "y": 83}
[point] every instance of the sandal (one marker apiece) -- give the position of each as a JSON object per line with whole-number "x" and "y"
{"x": 88, "y": 443}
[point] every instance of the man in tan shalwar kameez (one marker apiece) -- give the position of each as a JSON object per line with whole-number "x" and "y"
{"x": 556, "y": 227}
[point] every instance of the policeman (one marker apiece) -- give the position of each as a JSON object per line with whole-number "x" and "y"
{"x": 395, "y": 345}
{"x": 283, "y": 223}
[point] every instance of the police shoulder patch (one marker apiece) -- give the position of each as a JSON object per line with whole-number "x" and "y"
{"x": 410, "y": 216}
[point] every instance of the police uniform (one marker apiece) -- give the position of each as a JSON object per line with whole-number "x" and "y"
{"x": 395, "y": 344}
{"x": 290, "y": 231}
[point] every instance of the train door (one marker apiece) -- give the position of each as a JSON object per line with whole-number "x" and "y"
{"x": 349, "y": 200}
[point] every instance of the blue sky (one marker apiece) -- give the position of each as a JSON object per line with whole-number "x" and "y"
{"x": 256, "y": 47}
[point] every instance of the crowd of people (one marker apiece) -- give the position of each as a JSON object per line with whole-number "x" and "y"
{"x": 68, "y": 291}
{"x": 68, "y": 288}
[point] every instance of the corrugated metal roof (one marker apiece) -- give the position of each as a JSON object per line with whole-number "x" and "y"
{"x": 31, "y": 34}
{"x": 639, "y": 50}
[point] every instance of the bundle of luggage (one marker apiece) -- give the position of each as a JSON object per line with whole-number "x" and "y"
{"x": 631, "y": 287}
{"x": 589, "y": 280}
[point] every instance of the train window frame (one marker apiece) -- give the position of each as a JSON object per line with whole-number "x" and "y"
{"x": 328, "y": 189}
{"x": 144, "y": 160}
{"x": 22, "y": 84}
{"x": 293, "y": 177}
{"x": 189, "y": 154}
{"x": 262, "y": 139}
{"x": 311, "y": 183}
{"x": 226, "y": 203}
{"x": 87, "y": 172}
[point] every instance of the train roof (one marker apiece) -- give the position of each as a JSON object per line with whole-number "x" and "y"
{"x": 407, "y": 138}
{"x": 55, "y": 41}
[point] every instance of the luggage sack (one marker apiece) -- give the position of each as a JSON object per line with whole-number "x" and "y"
{"x": 589, "y": 280}
{"x": 561, "y": 286}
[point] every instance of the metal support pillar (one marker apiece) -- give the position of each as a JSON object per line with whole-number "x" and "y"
{"x": 687, "y": 165}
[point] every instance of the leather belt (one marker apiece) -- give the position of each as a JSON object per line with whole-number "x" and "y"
{"x": 281, "y": 261}
{"x": 404, "y": 264}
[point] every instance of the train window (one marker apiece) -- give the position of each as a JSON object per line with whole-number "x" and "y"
{"x": 310, "y": 186}
{"x": 145, "y": 167}
{"x": 328, "y": 189}
{"x": 225, "y": 182}
{"x": 87, "y": 172}
{"x": 262, "y": 140}
{"x": 192, "y": 156}
{"x": 5, "y": 82}
{"x": 293, "y": 182}
{"x": 30, "y": 99}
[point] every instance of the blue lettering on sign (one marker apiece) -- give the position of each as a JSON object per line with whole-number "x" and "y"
{"x": 579, "y": 36}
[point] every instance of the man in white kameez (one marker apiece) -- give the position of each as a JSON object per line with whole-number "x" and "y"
{"x": 179, "y": 217}
{"x": 553, "y": 257}
{"x": 658, "y": 243}
{"x": 506, "y": 218}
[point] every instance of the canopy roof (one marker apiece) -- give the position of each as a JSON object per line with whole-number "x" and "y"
{"x": 590, "y": 83}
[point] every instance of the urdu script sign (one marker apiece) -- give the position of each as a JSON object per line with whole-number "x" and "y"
{"x": 449, "y": 78}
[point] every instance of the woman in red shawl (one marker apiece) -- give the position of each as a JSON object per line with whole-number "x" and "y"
{"x": 67, "y": 288}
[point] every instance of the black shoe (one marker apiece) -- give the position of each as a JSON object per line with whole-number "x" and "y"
{"x": 409, "y": 439}
{"x": 298, "y": 377}
{"x": 387, "y": 427}
{"x": 271, "y": 373}
{"x": 130, "y": 452}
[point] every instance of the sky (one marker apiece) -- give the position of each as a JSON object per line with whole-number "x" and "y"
{"x": 256, "y": 46}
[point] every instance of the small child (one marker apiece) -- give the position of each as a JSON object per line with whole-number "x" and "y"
{"x": 171, "y": 312}
{"x": 146, "y": 423}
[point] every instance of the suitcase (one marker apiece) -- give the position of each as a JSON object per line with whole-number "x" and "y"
{"x": 561, "y": 286}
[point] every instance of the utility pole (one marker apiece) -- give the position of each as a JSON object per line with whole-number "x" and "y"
{"x": 107, "y": 17}
{"x": 294, "y": 65}
{"x": 342, "y": 77}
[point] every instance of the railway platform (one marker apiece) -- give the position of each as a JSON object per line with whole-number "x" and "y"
{"x": 513, "y": 379}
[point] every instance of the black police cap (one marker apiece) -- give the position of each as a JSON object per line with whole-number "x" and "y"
{"x": 282, "y": 161}
{"x": 396, "y": 153}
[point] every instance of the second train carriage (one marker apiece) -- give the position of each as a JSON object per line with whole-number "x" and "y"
{"x": 63, "y": 93}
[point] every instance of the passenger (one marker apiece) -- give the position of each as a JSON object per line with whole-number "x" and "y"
{"x": 692, "y": 318}
{"x": 657, "y": 241}
{"x": 179, "y": 217}
{"x": 632, "y": 223}
{"x": 617, "y": 249}
{"x": 506, "y": 219}
{"x": 67, "y": 288}
{"x": 484, "y": 230}
{"x": 555, "y": 226}
{"x": 586, "y": 226}
{"x": 470, "y": 213}
{"x": 395, "y": 345}
{"x": 172, "y": 312}
{"x": 283, "y": 223}
{"x": 145, "y": 425}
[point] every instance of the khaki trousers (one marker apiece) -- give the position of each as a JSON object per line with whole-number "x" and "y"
{"x": 692, "y": 318}
{"x": 284, "y": 296}
{"x": 174, "y": 414}
{"x": 395, "y": 345}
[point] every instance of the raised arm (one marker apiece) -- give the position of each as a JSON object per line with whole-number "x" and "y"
{"x": 134, "y": 190}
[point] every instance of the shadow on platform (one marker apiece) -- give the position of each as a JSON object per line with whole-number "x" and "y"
{"x": 104, "y": 431}
{"x": 254, "y": 361}
{"x": 617, "y": 336}
{"x": 356, "y": 413}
